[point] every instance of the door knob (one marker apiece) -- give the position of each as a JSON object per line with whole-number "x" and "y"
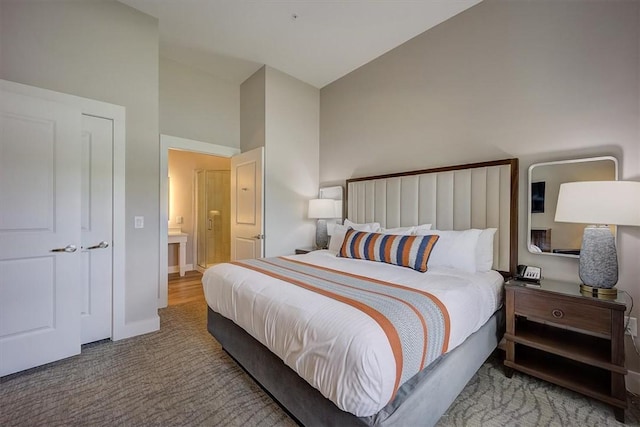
{"x": 68, "y": 248}
{"x": 259, "y": 236}
{"x": 100, "y": 245}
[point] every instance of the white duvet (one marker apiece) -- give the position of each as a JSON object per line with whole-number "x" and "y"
{"x": 338, "y": 349}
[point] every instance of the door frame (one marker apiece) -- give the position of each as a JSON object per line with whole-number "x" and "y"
{"x": 168, "y": 142}
{"x": 117, "y": 115}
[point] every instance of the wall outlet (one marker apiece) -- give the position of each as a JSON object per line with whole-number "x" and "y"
{"x": 632, "y": 329}
{"x": 138, "y": 222}
{"x": 179, "y": 220}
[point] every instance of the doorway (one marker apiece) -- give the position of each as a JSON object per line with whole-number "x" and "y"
{"x": 199, "y": 200}
{"x": 168, "y": 216}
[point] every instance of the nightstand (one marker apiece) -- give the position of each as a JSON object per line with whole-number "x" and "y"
{"x": 300, "y": 251}
{"x": 556, "y": 334}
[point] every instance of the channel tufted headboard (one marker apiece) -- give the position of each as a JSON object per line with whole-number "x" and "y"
{"x": 477, "y": 195}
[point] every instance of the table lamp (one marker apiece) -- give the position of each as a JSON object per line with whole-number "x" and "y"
{"x": 322, "y": 209}
{"x": 599, "y": 203}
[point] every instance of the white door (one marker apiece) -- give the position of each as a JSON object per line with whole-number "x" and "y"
{"x": 39, "y": 234}
{"x": 247, "y": 205}
{"x": 96, "y": 224}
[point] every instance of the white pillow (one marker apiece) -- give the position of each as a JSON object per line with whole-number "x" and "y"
{"x": 484, "y": 250}
{"x": 337, "y": 236}
{"x": 469, "y": 250}
{"x": 455, "y": 249}
{"x": 405, "y": 231}
{"x": 368, "y": 227}
{"x": 419, "y": 229}
{"x": 414, "y": 229}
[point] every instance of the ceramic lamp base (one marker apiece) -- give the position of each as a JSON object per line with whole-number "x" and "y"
{"x": 322, "y": 238}
{"x": 598, "y": 258}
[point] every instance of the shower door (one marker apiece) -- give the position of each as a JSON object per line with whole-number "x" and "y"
{"x": 213, "y": 217}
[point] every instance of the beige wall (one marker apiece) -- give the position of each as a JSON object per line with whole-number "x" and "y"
{"x": 182, "y": 167}
{"x": 252, "y": 111}
{"x": 501, "y": 79}
{"x": 292, "y": 158}
{"x": 537, "y": 80}
{"x": 281, "y": 113}
{"x": 197, "y": 105}
{"x": 109, "y": 52}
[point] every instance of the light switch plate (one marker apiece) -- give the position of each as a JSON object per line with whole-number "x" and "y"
{"x": 179, "y": 220}
{"x": 138, "y": 222}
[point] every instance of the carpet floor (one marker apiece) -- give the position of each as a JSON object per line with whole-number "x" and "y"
{"x": 180, "y": 376}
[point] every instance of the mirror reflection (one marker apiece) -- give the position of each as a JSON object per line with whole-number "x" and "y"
{"x": 546, "y": 236}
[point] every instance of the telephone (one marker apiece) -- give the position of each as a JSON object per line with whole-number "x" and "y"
{"x": 529, "y": 273}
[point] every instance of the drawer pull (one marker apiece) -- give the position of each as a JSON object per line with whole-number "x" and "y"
{"x": 558, "y": 314}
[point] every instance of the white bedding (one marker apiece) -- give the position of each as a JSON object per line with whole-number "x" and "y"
{"x": 339, "y": 350}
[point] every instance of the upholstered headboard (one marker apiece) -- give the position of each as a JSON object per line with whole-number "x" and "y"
{"x": 478, "y": 195}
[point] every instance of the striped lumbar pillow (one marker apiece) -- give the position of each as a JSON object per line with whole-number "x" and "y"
{"x": 406, "y": 251}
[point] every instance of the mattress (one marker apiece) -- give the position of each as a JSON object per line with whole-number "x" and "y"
{"x": 338, "y": 350}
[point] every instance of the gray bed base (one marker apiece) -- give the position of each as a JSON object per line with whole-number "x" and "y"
{"x": 420, "y": 401}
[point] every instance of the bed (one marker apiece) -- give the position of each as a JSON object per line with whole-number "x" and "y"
{"x": 282, "y": 319}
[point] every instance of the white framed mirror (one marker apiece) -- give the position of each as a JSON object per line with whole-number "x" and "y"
{"x": 544, "y": 235}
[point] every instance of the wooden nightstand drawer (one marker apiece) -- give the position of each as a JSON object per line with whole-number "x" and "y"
{"x": 565, "y": 312}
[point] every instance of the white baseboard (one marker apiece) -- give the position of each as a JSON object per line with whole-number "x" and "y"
{"x": 139, "y": 327}
{"x": 633, "y": 382}
{"x": 176, "y": 268}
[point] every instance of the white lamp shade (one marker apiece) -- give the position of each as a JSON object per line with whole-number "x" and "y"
{"x": 322, "y": 208}
{"x": 599, "y": 202}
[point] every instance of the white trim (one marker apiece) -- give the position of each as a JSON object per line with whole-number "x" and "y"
{"x": 173, "y": 142}
{"x": 178, "y": 143}
{"x": 194, "y": 220}
{"x": 120, "y": 328}
{"x": 117, "y": 114}
{"x": 633, "y": 382}
{"x": 176, "y": 268}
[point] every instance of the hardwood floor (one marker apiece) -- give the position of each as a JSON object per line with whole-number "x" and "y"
{"x": 185, "y": 289}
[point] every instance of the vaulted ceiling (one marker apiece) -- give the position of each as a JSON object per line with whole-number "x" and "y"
{"x": 316, "y": 41}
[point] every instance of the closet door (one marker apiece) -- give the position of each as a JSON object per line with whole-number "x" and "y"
{"x": 40, "y": 261}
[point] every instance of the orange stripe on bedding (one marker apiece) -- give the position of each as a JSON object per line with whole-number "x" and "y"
{"x": 387, "y": 249}
{"x": 342, "y": 252}
{"x": 428, "y": 250}
{"x": 371, "y": 247}
{"x": 385, "y": 324}
{"x": 443, "y": 309}
{"x": 356, "y": 246}
{"x": 406, "y": 249}
{"x": 412, "y": 307}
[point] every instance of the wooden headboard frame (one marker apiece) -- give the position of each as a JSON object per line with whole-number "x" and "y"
{"x": 474, "y": 195}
